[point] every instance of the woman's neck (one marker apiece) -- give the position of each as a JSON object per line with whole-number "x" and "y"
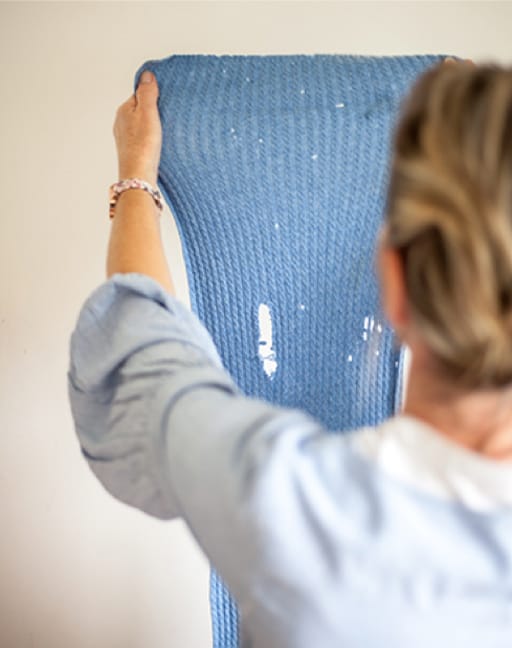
{"x": 478, "y": 420}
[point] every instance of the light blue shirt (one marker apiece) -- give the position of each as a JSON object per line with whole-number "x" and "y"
{"x": 386, "y": 537}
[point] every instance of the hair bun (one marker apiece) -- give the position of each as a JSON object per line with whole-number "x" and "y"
{"x": 449, "y": 212}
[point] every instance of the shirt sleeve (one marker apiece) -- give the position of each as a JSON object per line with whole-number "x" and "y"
{"x": 165, "y": 428}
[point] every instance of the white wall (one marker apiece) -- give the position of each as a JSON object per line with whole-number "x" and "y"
{"x": 77, "y": 568}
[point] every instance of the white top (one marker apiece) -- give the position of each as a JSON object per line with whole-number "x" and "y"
{"x": 417, "y": 454}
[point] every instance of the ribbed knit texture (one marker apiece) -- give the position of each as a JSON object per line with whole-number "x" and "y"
{"x": 276, "y": 169}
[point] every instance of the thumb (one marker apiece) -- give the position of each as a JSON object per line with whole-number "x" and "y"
{"x": 147, "y": 90}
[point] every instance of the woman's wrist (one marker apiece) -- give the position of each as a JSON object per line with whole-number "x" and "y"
{"x": 138, "y": 172}
{"x": 118, "y": 189}
{"x": 137, "y": 196}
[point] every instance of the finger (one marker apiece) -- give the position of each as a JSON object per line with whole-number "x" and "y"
{"x": 451, "y": 60}
{"x": 147, "y": 90}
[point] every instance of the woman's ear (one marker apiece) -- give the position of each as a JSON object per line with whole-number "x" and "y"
{"x": 392, "y": 287}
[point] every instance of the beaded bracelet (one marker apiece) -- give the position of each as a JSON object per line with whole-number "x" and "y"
{"x": 117, "y": 189}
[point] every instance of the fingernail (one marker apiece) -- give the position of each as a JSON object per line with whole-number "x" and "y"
{"x": 146, "y": 77}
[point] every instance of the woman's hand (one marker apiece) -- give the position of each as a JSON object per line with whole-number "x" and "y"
{"x": 138, "y": 132}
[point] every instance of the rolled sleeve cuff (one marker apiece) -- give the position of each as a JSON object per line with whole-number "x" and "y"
{"x": 115, "y": 322}
{"x": 132, "y": 342}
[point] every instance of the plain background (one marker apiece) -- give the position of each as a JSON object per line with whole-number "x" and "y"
{"x": 77, "y": 568}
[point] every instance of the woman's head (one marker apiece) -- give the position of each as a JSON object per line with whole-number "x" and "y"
{"x": 449, "y": 218}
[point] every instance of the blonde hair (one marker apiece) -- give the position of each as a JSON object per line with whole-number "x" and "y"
{"x": 449, "y": 214}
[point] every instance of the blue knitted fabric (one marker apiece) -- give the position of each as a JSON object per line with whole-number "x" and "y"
{"x": 276, "y": 168}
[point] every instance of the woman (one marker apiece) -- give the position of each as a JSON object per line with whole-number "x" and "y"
{"x": 394, "y": 536}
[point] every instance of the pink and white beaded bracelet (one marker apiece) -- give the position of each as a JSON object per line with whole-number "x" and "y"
{"x": 117, "y": 189}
